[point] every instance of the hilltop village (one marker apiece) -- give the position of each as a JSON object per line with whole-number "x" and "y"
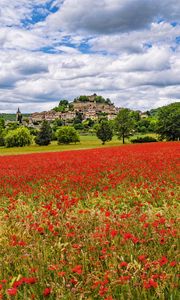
{"x": 89, "y": 107}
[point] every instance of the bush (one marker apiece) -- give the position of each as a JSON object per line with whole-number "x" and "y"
{"x": 146, "y": 139}
{"x": 67, "y": 135}
{"x": 18, "y": 138}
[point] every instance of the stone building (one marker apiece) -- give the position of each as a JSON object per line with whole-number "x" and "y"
{"x": 18, "y": 116}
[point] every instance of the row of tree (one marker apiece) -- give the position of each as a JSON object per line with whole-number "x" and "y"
{"x": 167, "y": 125}
{"x": 124, "y": 126}
{"x": 22, "y": 136}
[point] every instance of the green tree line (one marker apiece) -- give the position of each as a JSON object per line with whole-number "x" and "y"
{"x": 126, "y": 124}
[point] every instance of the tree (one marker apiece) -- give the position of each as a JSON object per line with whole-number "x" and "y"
{"x": 124, "y": 124}
{"x": 82, "y": 98}
{"x": 67, "y": 135}
{"x": 78, "y": 118}
{"x": 2, "y": 123}
{"x": 62, "y": 107}
{"x": 44, "y": 135}
{"x": 135, "y": 115}
{"x": 168, "y": 125}
{"x": 2, "y": 131}
{"x": 143, "y": 125}
{"x": 2, "y": 135}
{"x": 18, "y": 138}
{"x": 104, "y": 132}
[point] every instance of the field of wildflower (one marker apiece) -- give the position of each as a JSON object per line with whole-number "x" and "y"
{"x": 90, "y": 224}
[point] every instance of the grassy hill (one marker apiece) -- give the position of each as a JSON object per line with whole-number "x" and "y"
{"x": 11, "y": 117}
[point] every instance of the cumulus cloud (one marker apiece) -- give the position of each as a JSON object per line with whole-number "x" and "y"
{"x": 127, "y": 50}
{"x": 137, "y": 41}
{"x": 104, "y": 17}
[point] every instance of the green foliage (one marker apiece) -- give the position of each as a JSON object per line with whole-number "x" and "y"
{"x": 62, "y": 107}
{"x": 2, "y": 135}
{"x": 124, "y": 124}
{"x": 104, "y": 132}
{"x": 143, "y": 125}
{"x": 78, "y": 126}
{"x": 135, "y": 115}
{"x": 145, "y": 139}
{"x": 2, "y": 123}
{"x": 98, "y": 99}
{"x": 12, "y": 117}
{"x": 88, "y": 123}
{"x": 63, "y": 102}
{"x": 67, "y": 135}
{"x": 108, "y": 101}
{"x": 18, "y": 138}
{"x": 12, "y": 126}
{"x": 78, "y": 118}
{"x": 44, "y": 135}
{"x": 2, "y": 131}
{"x": 82, "y": 98}
{"x": 33, "y": 131}
{"x": 152, "y": 125}
{"x": 71, "y": 106}
{"x": 56, "y": 124}
{"x": 168, "y": 125}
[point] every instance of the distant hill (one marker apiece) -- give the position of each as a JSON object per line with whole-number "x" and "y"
{"x": 154, "y": 112}
{"x": 12, "y": 117}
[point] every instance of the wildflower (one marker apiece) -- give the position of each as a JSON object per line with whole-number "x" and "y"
{"x": 61, "y": 274}
{"x": 163, "y": 261}
{"x": 77, "y": 269}
{"x": 123, "y": 264}
{"x": 150, "y": 283}
{"x": 173, "y": 263}
{"x": 12, "y": 291}
{"x": 103, "y": 290}
{"x": 142, "y": 257}
{"x": 113, "y": 233}
{"x": 47, "y": 292}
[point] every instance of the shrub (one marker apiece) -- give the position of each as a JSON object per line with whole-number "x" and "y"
{"x": 18, "y": 138}
{"x": 67, "y": 135}
{"x": 145, "y": 139}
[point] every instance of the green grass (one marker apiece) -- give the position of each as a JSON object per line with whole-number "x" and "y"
{"x": 86, "y": 142}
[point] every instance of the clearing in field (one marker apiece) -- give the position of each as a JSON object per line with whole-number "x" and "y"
{"x": 91, "y": 224}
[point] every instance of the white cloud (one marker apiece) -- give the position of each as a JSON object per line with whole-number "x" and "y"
{"x": 114, "y": 48}
{"x": 106, "y": 16}
{"x": 137, "y": 41}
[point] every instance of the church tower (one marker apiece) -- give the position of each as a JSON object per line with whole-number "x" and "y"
{"x": 19, "y": 116}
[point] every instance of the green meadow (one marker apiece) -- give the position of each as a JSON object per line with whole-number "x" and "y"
{"x": 86, "y": 142}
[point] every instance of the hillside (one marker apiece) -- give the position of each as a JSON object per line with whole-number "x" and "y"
{"x": 12, "y": 117}
{"x": 90, "y": 107}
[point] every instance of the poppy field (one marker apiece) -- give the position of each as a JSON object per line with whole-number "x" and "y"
{"x": 90, "y": 224}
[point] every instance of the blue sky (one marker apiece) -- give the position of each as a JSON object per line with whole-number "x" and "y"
{"x": 126, "y": 50}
